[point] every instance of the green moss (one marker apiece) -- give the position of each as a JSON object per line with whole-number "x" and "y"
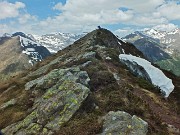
{"x": 66, "y": 85}
{"x": 48, "y": 94}
{"x": 64, "y": 109}
{"x": 35, "y": 127}
{"x": 73, "y": 100}
{"x": 45, "y": 131}
{"x": 27, "y": 121}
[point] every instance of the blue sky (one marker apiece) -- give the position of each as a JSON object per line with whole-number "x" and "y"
{"x": 76, "y": 16}
{"x": 40, "y": 8}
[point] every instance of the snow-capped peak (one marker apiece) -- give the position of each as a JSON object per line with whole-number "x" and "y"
{"x": 155, "y": 33}
{"x": 6, "y": 35}
{"x": 34, "y": 50}
{"x": 175, "y": 31}
{"x": 56, "y": 41}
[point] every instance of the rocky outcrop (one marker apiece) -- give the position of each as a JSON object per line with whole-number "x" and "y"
{"x": 89, "y": 55}
{"x": 122, "y": 123}
{"x": 143, "y": 68}
{"x": 65, "y": 90}
{"x": 7, "y": 104}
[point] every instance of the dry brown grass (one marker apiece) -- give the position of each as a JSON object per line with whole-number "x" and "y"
{"x": 12, "y": 59}
{"x": 16, "y": 112}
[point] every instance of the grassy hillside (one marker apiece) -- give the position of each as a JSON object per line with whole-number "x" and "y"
{"x": 172, "y": 65}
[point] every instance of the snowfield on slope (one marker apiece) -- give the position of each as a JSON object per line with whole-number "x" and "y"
{"x": 156, "y": 76}
{"x": 29, "y": 48}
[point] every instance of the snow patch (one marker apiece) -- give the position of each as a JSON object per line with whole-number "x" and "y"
{"x": 30, "y": 62}
{"x": 28, "y": 49}
{"x": 26, "y": 42}
{"x": 119, "y": 43}
{"x": 123, "y": 51}
{"x": 108, "y": 58}
{"x": 155, "y": 75}
{"x": 175, "y": 31}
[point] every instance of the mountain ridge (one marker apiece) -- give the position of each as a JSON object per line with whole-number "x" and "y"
{"x": 84, "y": 89}
{"x": 19, "y": 53}
{"x": 160, "y": 47}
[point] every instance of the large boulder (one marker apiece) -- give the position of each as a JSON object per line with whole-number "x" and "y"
{"x": 65, "y": 90}
{"x": 122, "y": 123}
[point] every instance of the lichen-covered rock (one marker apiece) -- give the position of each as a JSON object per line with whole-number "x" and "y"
{"x": 89, "y": 55}
{"x": 8, "y": 103}
{"x": 44, "y": 68}
{"x": 122, "y": 123}
{"x": 86, "y": 64}
{"x": 66, "y": 89}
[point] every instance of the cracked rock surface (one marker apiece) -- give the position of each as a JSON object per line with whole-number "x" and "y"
{"x": 66, "y": 89}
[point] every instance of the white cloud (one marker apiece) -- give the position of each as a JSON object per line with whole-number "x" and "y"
{"x": 5, "y": 28}
{"x": 165, "y": 27}
{"x": 58, "y": 6}
{"x": 84, "y": 15}
{"x": 26, "y": 18}
{"x": 123, "y": 32}
{"x": 90, "y": 13}
{"x": 148, "y": 20}
{"x": 90, "y": 6}
{"x": 8, "y": 10}
{"x": 170, "y": 10}
{"x": 141, "y": 6}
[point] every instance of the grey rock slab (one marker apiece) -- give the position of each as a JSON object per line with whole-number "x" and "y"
{"x": 122, "y": 123}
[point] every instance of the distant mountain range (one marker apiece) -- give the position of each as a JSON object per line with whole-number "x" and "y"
{"x": 160, "y": 47}
{"x": 19, "y": 52}
{"x": 53, "y": 42}
{"x": 57, "y": 41}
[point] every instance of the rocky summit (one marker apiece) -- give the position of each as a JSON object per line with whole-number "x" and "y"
{"x": 86, "y": 89}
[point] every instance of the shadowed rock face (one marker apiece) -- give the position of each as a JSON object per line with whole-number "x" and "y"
{"x": 70, "y": 92}
{"x": 151, "y": 50}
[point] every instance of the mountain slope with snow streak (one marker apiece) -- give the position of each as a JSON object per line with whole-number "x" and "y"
{"x": 143, "y": 68}
{"x": 160, "y": 47}
{"x": 19, "y": 52}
